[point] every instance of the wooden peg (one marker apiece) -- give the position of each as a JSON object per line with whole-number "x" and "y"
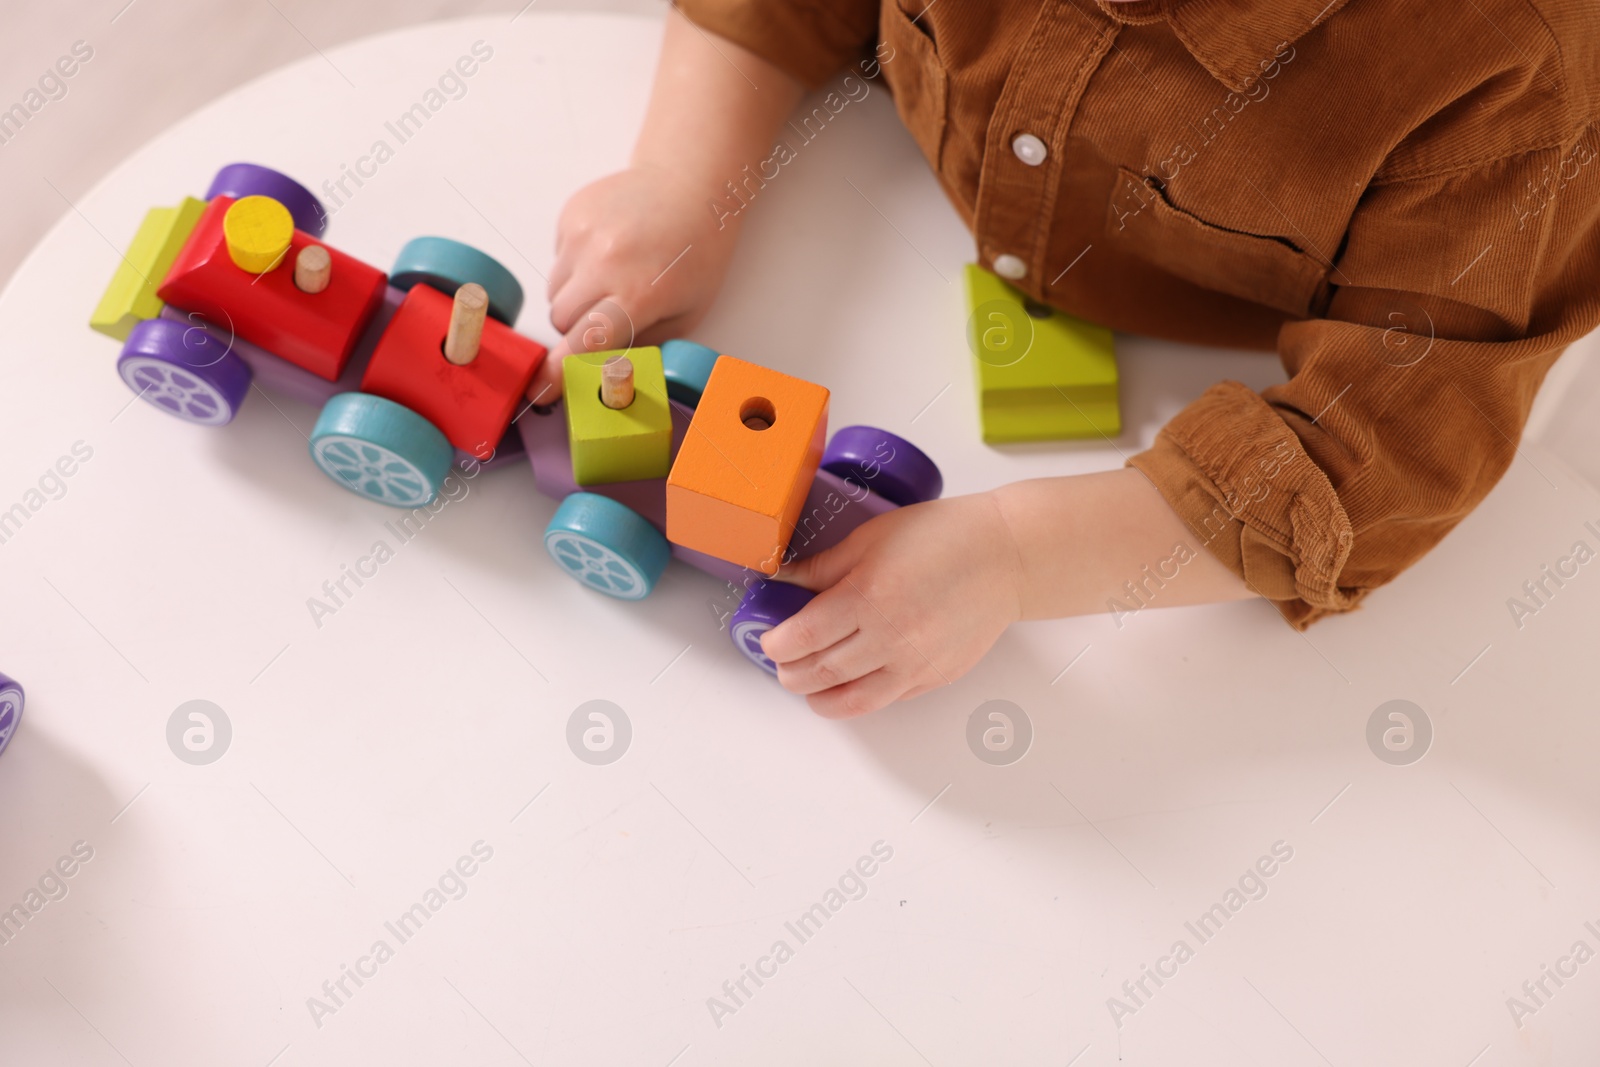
{"x": 616, "y": 382}
{"x": 313, "y": 269}
{"x": 466, "y": 324}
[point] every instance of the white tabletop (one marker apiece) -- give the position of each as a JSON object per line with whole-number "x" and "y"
{"x": 430, "y": 712}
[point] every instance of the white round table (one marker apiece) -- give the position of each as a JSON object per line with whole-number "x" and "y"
{"x": 935, "y": 907}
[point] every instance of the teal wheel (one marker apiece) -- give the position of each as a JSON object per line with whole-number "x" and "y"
{"x": 607, "y": 546}
{"x": 381, "y": 450}
{"x": 448, "y": 265}
{"x": 688, "y": 367}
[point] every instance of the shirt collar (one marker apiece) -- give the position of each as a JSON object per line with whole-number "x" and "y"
{"x": 1231, "y": 38}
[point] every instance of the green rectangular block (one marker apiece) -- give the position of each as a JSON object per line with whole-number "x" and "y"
{"x": 1043, "y": 375}
{"x": 617, "y": 445}
{"x": 1007, "y": 419}
{"x": 131, "y": 298}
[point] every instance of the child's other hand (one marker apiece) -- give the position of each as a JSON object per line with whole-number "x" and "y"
{"x": 644, "y": 241}
{"x": 909, "y": 601}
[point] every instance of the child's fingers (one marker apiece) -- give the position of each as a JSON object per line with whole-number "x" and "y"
{"x": 570, "y": 302}
{"x": 607, "y": 324}
{"x": 545, "y": 388}
{"x": 560, "y": 273}
{"x": 845, "y": 661}
{"x": 925, "y": 687}
{"x": 573, "y": 231}
{"x": 823, "y": 623}
{"x": 869, "y": 693}
{"x": 823, "y": 570}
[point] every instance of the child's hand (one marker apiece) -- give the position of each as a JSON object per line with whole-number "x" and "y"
{"x": 644, "y": 241}
{"x": 910, "y": 600}
{"x": 914, "y": 598}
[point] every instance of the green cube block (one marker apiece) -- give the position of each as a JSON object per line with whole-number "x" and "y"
{"x": 130, "y": 298}
{"x": 617, "y": 445}
{"x": 1043, "y": 375}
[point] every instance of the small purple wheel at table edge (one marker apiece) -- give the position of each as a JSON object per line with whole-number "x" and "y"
{"x": 159, "y": 349}
{"x": 11, "y": 704}
{"x": 239, "y": 180}
{"x": 904, "y": 476}
{"x": 764, "y": 606}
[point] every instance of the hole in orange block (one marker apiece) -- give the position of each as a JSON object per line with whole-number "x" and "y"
{"x": 757, "y": 413}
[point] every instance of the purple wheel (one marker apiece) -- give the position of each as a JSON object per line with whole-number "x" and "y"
{"x": 10, "y": 709}
{"x": 764, "y": 607}
{"x": 890, "y": 466}
{"x": 249, "y": 179}
{"x": 184, "y": 371}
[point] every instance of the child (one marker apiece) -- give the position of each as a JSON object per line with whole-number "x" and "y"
{"x": 1407, "y": 212}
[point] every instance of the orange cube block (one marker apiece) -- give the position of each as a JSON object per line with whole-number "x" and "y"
{"x": 746, "y": 464}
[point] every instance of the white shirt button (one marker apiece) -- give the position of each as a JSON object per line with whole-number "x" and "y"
{"x": 1009, "y": 266}
{"x": 1029, "y": 149}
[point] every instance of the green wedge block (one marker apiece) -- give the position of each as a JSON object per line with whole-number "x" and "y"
{"x": 1043, "y": 375}
{"x": 131, "y": 298}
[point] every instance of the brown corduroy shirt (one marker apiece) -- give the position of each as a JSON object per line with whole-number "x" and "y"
{"x": 1402, "y": 198}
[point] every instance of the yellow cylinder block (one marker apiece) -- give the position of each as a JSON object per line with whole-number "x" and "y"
{"x": 258, "y": 230}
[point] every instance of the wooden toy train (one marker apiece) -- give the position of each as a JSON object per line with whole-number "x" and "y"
{"x": 420, "y": 368}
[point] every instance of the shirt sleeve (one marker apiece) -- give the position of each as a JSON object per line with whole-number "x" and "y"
{"x": 811, "y": 41}
{"x": 1454, "y": 295}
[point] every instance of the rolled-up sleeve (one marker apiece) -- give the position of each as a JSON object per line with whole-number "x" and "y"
{"x": 811, "y": 41}
{"x": 1454, "y": 294}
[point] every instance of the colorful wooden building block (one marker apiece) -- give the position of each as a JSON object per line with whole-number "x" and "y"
{"x": 617, "y": 444}
{"x": 258, "y": 231}
{"x": 131, "y": 297}
{"x": 743, "y": 472}
{"x": 316, "y": 331}
{"x": 1042, "y": 374}
{"x": 472, "y": 404}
